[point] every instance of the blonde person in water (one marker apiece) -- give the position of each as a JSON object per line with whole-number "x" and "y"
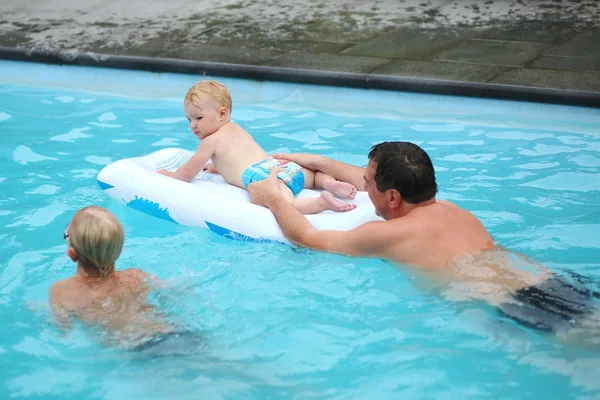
{"x": 241, "y": 161}
{"x": 114, "y": 302}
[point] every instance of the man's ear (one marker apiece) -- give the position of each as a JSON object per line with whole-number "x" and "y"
{"x": 394, "y": 198}
{"x": 72, "y": 254}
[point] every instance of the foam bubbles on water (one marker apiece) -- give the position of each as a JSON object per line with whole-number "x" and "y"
{"x": 86, "y": 101}
{"x": 24, "y": 155}
{"x": 166, "y": 142}
{"x": 75, "y": 133}
{"x": 107, "y": 116}
{"x": 4, "y": 116}
{"x": 123, "y": 141}
{"x": 577, "y": 182}
{"x": 44, "y": 189}
{"x": 352, "y": 126}
{"x": 2, "y": 179}
{"x": 98, "y": 160}
{"x": 437, "y": 128}
{"x": 172, "y": 120}
{"x": 65, "y": 99}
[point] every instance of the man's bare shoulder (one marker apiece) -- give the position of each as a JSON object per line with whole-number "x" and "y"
{"x": 446, "y": 203}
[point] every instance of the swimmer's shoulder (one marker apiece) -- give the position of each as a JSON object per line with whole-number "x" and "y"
{"x": 62, "y": 293}
{"x": 134, "y": 273}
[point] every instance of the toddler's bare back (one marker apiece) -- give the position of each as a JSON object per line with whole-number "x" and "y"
{"x": 235, "y": 150}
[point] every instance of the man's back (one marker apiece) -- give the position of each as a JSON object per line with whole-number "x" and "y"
{"x": 431, "y": 236}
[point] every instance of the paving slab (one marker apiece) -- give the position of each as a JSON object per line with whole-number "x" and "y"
{"x": 328, "y": 62}
{"x": 441, "y": 70}
{"x": 223, "y": 54}
{"x": 586, "y": 44}
{"x": 497, "y": 52}
{"x": 546, "y": 78}
{"x": 567, "y": 63}
{"x": 532, "y": 31}
{"x": 151, "y": 48}
{"x": 409, "y": 43}
{"x": 298, "y": 45}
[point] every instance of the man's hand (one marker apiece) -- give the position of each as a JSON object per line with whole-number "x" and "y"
{"x": 262, "y": 192}
{"x": 306, "y": 160}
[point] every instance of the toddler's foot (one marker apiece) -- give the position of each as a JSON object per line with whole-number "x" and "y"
{"x": 340, "y": 189}
{"x": 336, "y": 205}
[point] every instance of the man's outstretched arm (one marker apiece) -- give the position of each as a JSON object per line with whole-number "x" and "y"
{"x": 367, "y": 240}
{"x": 336, "y": 169}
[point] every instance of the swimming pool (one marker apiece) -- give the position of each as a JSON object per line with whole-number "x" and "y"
{"x": 280, "y": 322}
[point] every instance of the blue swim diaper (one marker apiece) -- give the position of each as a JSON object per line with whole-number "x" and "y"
{"x": 289, "y": 172}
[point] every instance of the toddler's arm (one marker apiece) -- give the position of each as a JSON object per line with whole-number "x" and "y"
{"x": 190, "y": 169}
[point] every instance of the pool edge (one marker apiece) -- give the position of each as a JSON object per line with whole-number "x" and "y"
{"x": 308, "y": 76}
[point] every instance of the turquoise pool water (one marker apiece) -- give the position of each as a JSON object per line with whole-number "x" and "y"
{"x": 280, "y": 322}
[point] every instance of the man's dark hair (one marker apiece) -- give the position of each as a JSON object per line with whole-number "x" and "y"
{"x": 406, "y": 167}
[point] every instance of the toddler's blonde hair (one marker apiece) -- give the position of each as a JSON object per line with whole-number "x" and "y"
{"x": 216, "y": 91}
{"x": 97, "y": 236}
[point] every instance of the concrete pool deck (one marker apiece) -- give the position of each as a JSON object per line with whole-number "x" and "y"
{"x": 540, "y": 50}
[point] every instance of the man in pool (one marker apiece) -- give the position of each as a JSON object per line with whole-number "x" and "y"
{"x": 428, "y": 234}
{"x": 113, "y": 301}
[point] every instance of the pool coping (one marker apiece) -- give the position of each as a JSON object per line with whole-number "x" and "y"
{"x": 309, "y": 76}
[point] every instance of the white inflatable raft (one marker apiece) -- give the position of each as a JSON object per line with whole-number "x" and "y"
{"x": 208, "y": 201}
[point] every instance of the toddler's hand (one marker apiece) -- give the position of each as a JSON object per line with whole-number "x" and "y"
{"x": 210, "y": 168}
{"x": 164, "y": 172}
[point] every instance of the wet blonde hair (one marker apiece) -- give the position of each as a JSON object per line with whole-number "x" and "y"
{"x": 97, "y": 236}
{"x": 215, "y": 91}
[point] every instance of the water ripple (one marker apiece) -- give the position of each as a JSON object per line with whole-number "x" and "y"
{"x": 24, "y": 155}
{"x": 437, "y": 128}
{"x": 75, "y": 133}
{"x": 572, "y": 181}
